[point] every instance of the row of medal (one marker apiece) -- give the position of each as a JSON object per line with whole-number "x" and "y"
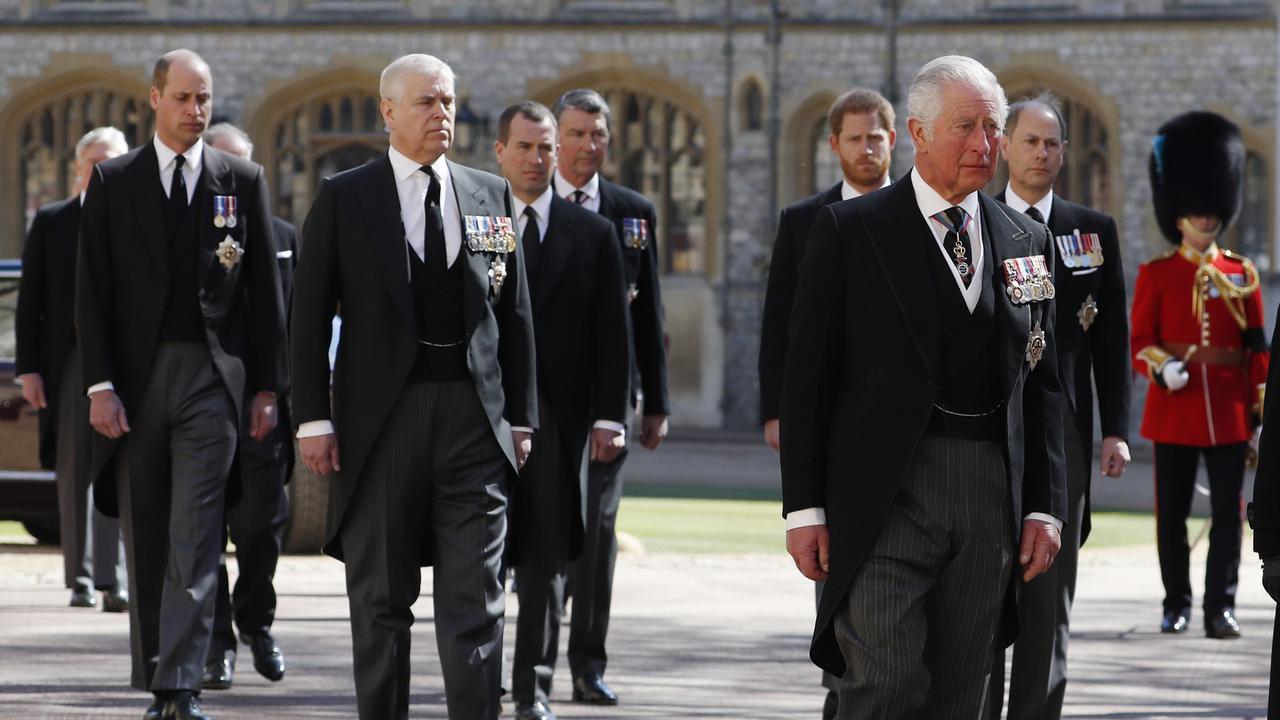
{"x": 1080, "y": 250}
{"x": 1027, "y": 279}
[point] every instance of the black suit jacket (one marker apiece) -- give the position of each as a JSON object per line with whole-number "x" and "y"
{"x": 866, "y": 347}
{"x": 1264, "y": 511}
{"x": 281, "y": 438}
{"x": 353, "y": 258}
{"x": 45, "y": 322}
{"x": 580, "y": 322}
{"x": 648, "y": 341}
{"x": 123, "y": 285}
{"x": 788, "y": 249}
{"x": 1101, "y": 354}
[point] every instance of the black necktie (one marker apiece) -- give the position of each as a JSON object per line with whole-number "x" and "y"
{"x": 436, "y": 259}
{"x": 178, "y": 188}
{"x": 1034, "y": 214}
{"x": 956, "y": 221}
{"x": 579, "y": 197}
{"x": 530, "y": 240}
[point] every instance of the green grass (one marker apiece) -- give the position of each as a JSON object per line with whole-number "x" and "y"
{"x": 671, "y": 525}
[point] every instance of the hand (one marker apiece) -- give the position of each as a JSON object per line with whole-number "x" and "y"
{"x": 524, "y": 445}
{"x": 106, "y": 414}
{"x": 33, "y": 390}
{"x": 1040, "y": 544}
{"x": 771, "y": 434}
{"x": 653, "y": 428}
{"x": 606, "y": 444}
{"x": 1175, "y": 375}
{"x": 1115, "y": 456}
{"x": 262, "y": 415}
{"x": 810, "y": 548}
{"x": 320, "y": 453}
{"x": 1271, "y": 577}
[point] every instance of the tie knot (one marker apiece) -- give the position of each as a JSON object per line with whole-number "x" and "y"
{"x": 579, "y": 197}
{"x": 954, "y": 219}
{"x": 1034, "y": 214}
{"x": 529, "y": 213}
{"x": 179, "y": 161}
{"x": 426, "y": 170}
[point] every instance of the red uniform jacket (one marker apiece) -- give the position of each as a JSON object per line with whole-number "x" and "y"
{"x": 1205, "y": 309}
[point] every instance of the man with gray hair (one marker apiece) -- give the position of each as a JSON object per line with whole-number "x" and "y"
{"x": 255, "y": 523}
{"x": 916, "y": 541}
{"x": 433, "y": 394}
{"x": 49, "y": 371}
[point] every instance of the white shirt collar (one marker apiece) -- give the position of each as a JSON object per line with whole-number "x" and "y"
{"x": 541, "y": 206}
{"x": 165, "y": 155}
{"x": 591, "y": 189}
{"x": 404, "y": 168}
{"x": 849, "y": 192}
{"x": 931, "y": 203}
{"x": 1015, "y": 201}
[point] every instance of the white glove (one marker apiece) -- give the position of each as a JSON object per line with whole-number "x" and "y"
{"x": 1175, "y": 375}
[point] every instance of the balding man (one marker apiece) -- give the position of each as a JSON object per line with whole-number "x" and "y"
{"x": 256, "y": 523}
{"x": 49, "y": 369}
{"x": 915, "y": 524}
{"x": 180, "y": 324}
{"x": 435, "y": 366}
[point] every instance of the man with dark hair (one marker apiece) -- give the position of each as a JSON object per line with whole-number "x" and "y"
{"x": 579, "y": 317}
{"x": 48, "y": 369}
{"x": 433, "y": 396}
{"x": 1198, "y": 337}
{"x": 918, "y": 541}
{"x": 256, "y": 523}
{"x": 862, "y": 138}
{"x": 1093, "y": 348}
{"x": 180, "y": 324}
{"x": 583, "y": 117}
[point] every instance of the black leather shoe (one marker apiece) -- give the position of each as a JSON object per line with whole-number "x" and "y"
{"x": 537, "y": 711}
{"x": 219, "y": 671}
{"x": 83, "y": 597}
{"x": 184, "y": 705}
{"x": 267, "y": 658}
{"x": 1175, "y": 621}
{"x": 830, "y": 706}
{"x": 155, "y": 712}
{"x": 115, "y": 600}
{"x": 590, "y": 688}
{"x": 1222, "y": 626}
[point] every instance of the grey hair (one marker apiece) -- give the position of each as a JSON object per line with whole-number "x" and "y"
{"x": 586, "y": 100}
{"x": 924, "y": 99}
{"x": 391, "y": 84}
{"x": 106, "y": 135}
{"x": 227, "y": 130}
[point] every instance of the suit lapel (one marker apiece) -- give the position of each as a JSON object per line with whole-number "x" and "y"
{"x": 900, "y": 238}
{"x": 215, "y": 179}
{"x": 148, "y": 204}
{"x": 1006, "y": 240}
{"x": 606, "y": 199}
{"x": 471, "y": 200}
{"x": 557, "y": 245}
{"x": 380, "y": 202}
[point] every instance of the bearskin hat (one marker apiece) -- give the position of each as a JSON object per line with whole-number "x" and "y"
{"x": 1197, "y": 168}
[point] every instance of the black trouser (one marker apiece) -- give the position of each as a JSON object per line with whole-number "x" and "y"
{"x": 256, "y": 525}
{"x": 1175, "y": 488}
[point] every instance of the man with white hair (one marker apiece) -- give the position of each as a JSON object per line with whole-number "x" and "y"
{"x": 916, "y": 540}
{"x": 435, "y": 366}
{"x": 49, "y": 371}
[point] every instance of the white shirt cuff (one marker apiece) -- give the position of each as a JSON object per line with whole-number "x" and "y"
{"x": 522, "y": 428}
{"x": 611, "y": 425}
{"x": 806, "y": 517}
{"x": 315, "y": 428}
{"x": 1045, "y": 517}
{"x": 108, "y": 385}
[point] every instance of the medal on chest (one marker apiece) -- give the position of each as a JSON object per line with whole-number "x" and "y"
{"x": 1035, "y": 345}
{"x": 224, "y": 211}
{"x": 1027, "y": 279}
{"x": 1080, "y": 250}
{"x": 1088, "y": 312}
{"x": 229, "y": 252}
{"x": 635, "y": 233}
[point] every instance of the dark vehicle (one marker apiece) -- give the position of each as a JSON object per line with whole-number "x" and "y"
{"x": 27, "y": 491}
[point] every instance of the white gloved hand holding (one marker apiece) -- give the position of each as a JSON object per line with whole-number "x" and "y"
{"x": 1175, "y": 375}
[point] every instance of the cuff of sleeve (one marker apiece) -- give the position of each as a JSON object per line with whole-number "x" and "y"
{"x": 1155, "y": 358}
{"x": 522, "y": 428}
{"x": 611, "y": 425}
{"x": 1262, "y": 399}
{"x": 1046, "y": 517}
{"x": 315, "y": 428}
{"x": 98, "y": 387}
{"x": 806, "y": 517}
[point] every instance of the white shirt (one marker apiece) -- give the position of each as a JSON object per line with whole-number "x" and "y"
{"x": 930, "y": 202}
{"x": 849, "y": 192}
{"x": 411, "y": 187}
{"x": 1015, "y": 201}
{"x": 592, "y": 190}
{"x": 193, "y": 160}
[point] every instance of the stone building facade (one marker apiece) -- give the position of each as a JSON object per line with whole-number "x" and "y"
{"x": 719, "y": 108}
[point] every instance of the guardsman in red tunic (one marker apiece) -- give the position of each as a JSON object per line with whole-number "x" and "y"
{"x": 1198, "y": 337}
